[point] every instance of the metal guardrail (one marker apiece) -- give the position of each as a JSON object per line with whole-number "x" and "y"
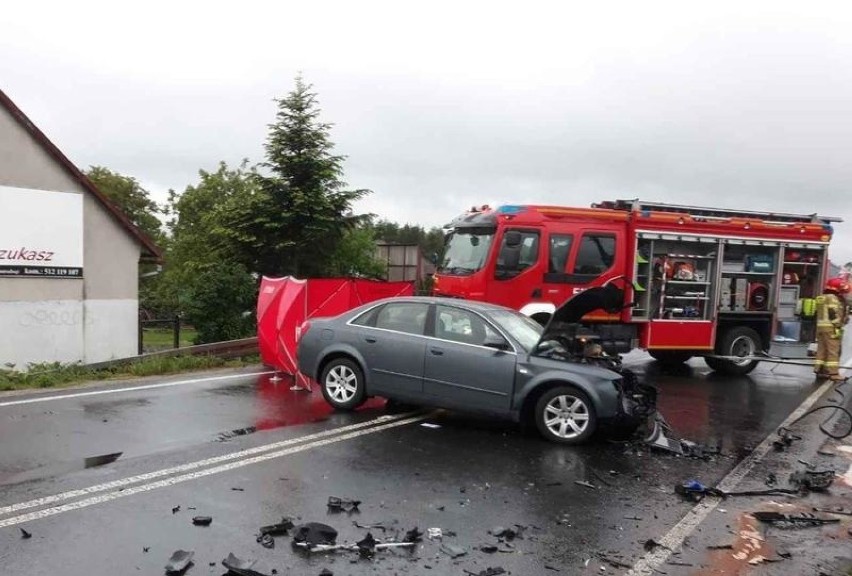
{"x": 227, "y": 349}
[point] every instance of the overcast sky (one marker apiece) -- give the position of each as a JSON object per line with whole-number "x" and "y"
{"x": 442, "y": 105}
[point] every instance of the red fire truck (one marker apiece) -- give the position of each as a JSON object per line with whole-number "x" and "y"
{"x": 696, "y": 281}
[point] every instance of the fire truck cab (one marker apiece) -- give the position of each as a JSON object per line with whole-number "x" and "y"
{"x": 696, "y": 281}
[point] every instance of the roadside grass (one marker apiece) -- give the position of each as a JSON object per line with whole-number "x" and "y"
{"x": 154, "y": 339}
{"x": 55, "y": 374}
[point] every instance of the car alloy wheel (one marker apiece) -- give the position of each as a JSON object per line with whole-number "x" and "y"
{"x": 565, "y": 415}
{"x": 343, "y": 384}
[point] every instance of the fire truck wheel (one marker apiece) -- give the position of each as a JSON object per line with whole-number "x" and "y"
{"x": 670, "y": 357}
{"x": 737, "y": 341}
{"x": 343, "y": 384}
{"x": 565, "y": 415}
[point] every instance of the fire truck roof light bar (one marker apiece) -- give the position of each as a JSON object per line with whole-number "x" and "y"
{"x": 714, "y": 213}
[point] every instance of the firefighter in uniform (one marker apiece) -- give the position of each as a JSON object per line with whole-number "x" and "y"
{"x": 830, "y": 319}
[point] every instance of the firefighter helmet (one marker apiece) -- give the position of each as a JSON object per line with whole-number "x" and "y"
{"x": 838, "y": 285}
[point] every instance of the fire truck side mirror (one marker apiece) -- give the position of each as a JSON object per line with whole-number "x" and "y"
{"x": 512, "y": 239}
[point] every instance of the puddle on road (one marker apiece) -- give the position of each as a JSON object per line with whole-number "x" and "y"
{"x": 58, "y": 469}
{"x": 95, "y": 461}
{"x": 277, "y": 406}
{"x": 113, "y": 407}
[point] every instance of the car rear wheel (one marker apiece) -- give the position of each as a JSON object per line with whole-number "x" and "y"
{"x": 343, "y": 384}
{"x": 565, "y": 415}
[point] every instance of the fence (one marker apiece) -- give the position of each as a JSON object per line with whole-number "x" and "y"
{"x": 163, "y": 334}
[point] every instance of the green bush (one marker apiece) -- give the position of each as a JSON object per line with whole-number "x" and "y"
{"x": 222, "y": 303}
{"x": 53, "y": 374}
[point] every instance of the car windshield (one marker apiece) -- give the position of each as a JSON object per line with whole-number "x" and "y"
{"x": 523, "y": 329}
{"x": 466, "y": 250}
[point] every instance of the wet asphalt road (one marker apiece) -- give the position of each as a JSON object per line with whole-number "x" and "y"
{"x": 465, "y": 475}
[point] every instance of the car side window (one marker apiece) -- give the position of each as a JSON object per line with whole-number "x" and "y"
{"x": 512, "y": 260}
{"x": 408, "y": 317}
{"x": 596, "y": 254}
{"x": 560, "y": 247}
{"x": 462, "y": 326}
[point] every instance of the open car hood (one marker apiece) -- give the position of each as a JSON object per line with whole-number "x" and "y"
{"x": 608, "y": 298}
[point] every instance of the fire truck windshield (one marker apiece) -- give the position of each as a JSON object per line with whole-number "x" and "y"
{"x": 465, "y": 251}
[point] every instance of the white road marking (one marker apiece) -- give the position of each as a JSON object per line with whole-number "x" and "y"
{"x": 674, "y": 538}
{"x": 201, "y": 473}
{"x": 38, "y": 502}
{"x": 130, "y": 389}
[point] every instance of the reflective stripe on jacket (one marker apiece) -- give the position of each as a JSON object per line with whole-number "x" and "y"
{"x": 829, "y": 311}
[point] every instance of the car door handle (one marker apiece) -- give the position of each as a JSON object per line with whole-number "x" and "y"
{"x": 436, "y": 351}
{"x": 370, "y": 339}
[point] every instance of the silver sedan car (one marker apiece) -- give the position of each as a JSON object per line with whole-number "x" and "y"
{"x": 467, "y": 356}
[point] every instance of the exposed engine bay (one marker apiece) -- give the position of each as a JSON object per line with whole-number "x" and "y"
{"x": 566, "y": 338}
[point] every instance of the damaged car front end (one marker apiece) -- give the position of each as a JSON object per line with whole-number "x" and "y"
{"x": 566, "y": 339}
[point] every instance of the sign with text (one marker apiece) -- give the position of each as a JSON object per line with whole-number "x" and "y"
{"x": 41, "y": 233}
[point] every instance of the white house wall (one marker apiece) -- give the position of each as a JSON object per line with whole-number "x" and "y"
{"x": 102, "y": 307}
{"x": 41, "y": 331}
{"x": 106, "y": 330}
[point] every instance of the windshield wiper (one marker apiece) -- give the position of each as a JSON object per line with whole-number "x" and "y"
{"x": 458, "y": 270}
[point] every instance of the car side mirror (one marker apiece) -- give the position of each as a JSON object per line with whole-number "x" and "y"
{"x": 496, "y": 342}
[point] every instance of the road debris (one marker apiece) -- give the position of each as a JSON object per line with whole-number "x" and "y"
{"x": 720, "y": 547}
{"x": 266, "y": 541}
{"x": 812, "y": 480}
{"x": 650, "y": 545}
{"x": 25, "y": 535}
{"x": 279, "y": 529}
{"x": 496, "y": 571}
{"x": 202, "y": 520}
{"x": 841, "y": 511}
{"x": 176, "y": 509}
{"x": 377, "y": 526}
{"x": 434, "y": 534}
{"x": 507, "y": 534}
{"x": 785, "y": 440}
{"x": 413, "y": 535}
{"x": 240, "y": 567}
{"x": 695, "y": 491}
{"x": 367, "y": 546}
{"x": 662, "y": 438}
{"x": 452, "y": 550}
{"x": 179, "y": 561}
{"x": 314, "y": 534}
{"x": 336, "y": 504}
{"x": 800, "y": 520}
{"x": 612, "y": 562}
{"x": 586, "y": 484}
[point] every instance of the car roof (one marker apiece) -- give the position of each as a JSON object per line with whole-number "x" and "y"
{"x": 470, "y": 304}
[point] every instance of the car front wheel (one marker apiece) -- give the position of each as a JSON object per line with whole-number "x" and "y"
{"x": 565, "y": 415}
{"x": 343, "y": 384}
